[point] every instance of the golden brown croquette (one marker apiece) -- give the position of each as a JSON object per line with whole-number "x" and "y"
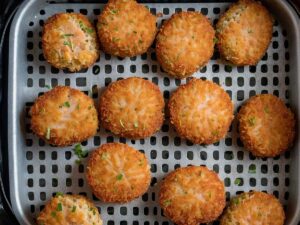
{"x": 118, "y": 173}
{"x": 126, "y": 28}
{"x": 254, "y": 208}
{"x": 132, "y": 108}
{"x": 185, "y": 43}
{"x": 69, "y": 209}
{"x": 70, "y": 41}
{"x": 244, "y": 32}
{"x": 64, "y": 116}
{"x": 266, "y": 125}
{"x": 192, "y": 195}
{"x": 201, "y": 111}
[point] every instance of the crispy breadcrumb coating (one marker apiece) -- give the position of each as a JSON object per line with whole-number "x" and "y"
{"x": 132, "y": 108}
{"x": 126, "y": 28}
{"x": 70, "y": 41}
{"x": 266, "y": 125}
{"x": 244, "y": 32}
{"x": 201, "y": 111}
{"x": 185, "y": 43}
{"x": 192, "y": 195}
{"x": 64, "y": 116}
{"x": 118, "y": 173}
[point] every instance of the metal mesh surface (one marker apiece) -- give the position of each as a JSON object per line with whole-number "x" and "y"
{"x": 47, "y": 170}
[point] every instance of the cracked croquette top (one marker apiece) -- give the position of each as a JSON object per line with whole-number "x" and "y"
{"x": 70, "y": 41}
{"x": 244, "y": 32}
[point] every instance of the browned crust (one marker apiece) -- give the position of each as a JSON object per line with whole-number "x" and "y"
{"x": 185, "y": 43}
{"x": 59, "y": 54}
{"x": 69, "y": 209}
{"x": 244, "y": 32}
{"x": 192, "y": 195}
{"x": 266, "y": 125}
{"x": 208, "y": 124}
{"x": 132, "y": 108}
{"x": 66, "y": 127}
{"x": 259, "y": 207}
{"x": 126, "y": 28}
{"x": 118, "y": 173}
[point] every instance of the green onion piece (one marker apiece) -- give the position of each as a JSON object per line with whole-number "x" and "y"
{"x": 167, "y": 202}
{"x": 215, "y": 40}
{"x": 59, "y": 194}
{"x": 251, "y": 121}
{"x": 120, "y": 176}
{"x": 59, "y": 207}
{"x": 252, "y": 169}
{"x": 237, "y": 181}
{"x": 73, "y": 208}
{"x": 53, "y": 214}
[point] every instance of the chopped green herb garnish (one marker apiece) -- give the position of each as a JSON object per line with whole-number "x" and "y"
{"x": 48, "y": 86}
{"x": 252, "y": 169}
{"x": 85, "y": 28}
{"x": 67, "y": 35}
{"x": 120, "y": 176}
{"x": 48, "y": 133}
{"x": 113, "y": 11}
{"x": 78, "y": 161}
{"x": 67, "y": 104}
{"x": 90, "y": 107}
{"x": 266, "y": 109}
{"x": 73, "y": 208}
{"x": 215, "y": 40}
{"x": 235, "y": 201}
{"x": 80, "y": 153}
{"x": 59, "y": 194}
{"x": 237, "y": 181}
{"x": 53, "y": 214}
{"x": 167, "y": 202}
{"x": 140, "y": 41}
{"x": 115, "y": 39}
{"x": 251, "y": 121}
{"x": 147, "y": 7}
{"x": 121, "y": 122}
{"x": 59, "y": 207}
{"x": 97, "y": 70}
{"x": 215, "y": 133}
{"x": 68, "y": 43}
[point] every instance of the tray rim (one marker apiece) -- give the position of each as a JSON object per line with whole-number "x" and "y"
{"x": 11, "y": 107}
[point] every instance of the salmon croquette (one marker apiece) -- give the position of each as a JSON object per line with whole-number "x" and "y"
{"x": 69, "y": 209}
{"x": 192, "y": 195}
{"x": 266, "y": 125}
{"x": 201, "y": 111}
{"x": 118, "y": 173}
{"x": 244, "y": 32}
{"x": 64, "y": 116}
{"x": 70, "y": 41}
{"x": 132, "y": 108}
{"x": 126, "y": 28}
{"x": 254, "y": 208}
{"x": 185, "y": 43}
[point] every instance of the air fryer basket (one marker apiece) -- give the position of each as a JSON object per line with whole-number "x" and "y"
{"x": 37, "y": 170}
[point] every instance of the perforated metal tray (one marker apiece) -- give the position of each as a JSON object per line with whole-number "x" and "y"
{"x": 38, "y": 170}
